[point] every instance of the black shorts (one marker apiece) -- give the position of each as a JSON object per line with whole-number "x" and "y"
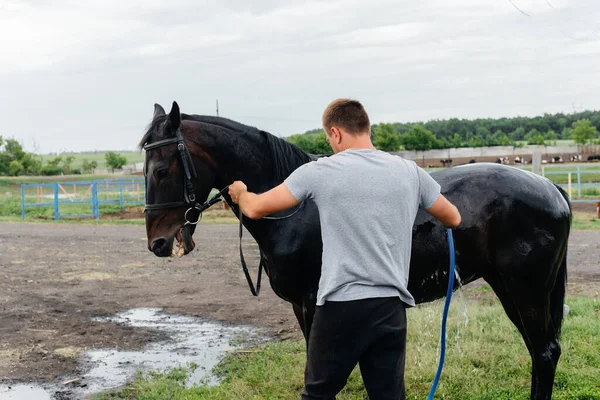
{"x": 370, "y": 332}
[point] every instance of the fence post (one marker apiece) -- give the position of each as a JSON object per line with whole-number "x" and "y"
{"x": 23, "y": 202}
{"x": 569, "y": 186}
{"x": 578, "y": 182}
{"x": 95, "y": 208}
{"x": 536, "y": 161}
{"x": 121, "y": 195}
{"x": 56, "y": 201}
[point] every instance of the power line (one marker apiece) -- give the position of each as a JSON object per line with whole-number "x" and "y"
{"x": 521, "y": 11}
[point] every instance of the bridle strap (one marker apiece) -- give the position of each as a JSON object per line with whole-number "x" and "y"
{"x": 161, "y": 143}
{"x": 162, "y": 206}
{"x": 189, "y": 194}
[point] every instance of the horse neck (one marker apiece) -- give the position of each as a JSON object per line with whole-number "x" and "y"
{"x": 247, "y": 157}
{"x": 243, "y": 156}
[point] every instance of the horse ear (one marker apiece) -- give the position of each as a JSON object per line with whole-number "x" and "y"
{"x": 158, "y": 111}
{"x": 175, "y": 116}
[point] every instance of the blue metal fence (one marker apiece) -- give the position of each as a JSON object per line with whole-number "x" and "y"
{"x": 82, "y": 199}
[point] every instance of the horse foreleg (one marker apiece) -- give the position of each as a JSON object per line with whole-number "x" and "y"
{"x": 300, "y": 317}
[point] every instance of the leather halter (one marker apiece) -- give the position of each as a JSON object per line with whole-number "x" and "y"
{"x": 189, "y": 195}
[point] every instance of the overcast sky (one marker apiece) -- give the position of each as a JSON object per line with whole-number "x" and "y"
{"x": 84, "y": 75}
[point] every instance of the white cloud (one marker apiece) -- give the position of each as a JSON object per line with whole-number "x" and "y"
{"x": 84, "y": 75}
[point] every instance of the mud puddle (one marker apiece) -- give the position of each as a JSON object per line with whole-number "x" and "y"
{"x": 190, "y": 340}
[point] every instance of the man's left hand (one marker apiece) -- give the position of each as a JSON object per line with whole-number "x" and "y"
{"x": 236, "y": 189}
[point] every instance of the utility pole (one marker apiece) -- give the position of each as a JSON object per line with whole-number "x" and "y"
{"x": 217, "y": 107}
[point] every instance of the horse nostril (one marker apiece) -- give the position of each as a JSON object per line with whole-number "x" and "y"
{"x": 158, "y": 244}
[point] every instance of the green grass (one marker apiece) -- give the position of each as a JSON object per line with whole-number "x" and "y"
{"x": 485, "y": 359}
{"x": 132, "y": 157}
{"x": 590, "y": 192}
{"x": 550, "y": 171}
{"x": 12, "y": 184}
{"x": 10, "y": 196}
{"x": 585, "y": 221}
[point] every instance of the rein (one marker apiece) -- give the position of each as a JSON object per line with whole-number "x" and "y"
{"x": 215, "y": 199}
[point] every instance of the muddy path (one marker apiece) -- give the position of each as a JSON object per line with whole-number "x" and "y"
{"x": 54, "y": 278}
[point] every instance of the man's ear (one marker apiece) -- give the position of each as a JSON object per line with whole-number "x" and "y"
{"x": 337, "y": 134}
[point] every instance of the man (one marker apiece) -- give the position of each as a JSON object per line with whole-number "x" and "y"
{"x": 367, "y": 201}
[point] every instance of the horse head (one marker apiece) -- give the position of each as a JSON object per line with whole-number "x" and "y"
{"x": 177, "y": 180}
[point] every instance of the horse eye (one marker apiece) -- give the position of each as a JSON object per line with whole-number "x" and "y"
{"x": 162, "y": 173}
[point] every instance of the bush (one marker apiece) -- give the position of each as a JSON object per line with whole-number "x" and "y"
{"x": 49, "y": 170}
{"x": 15, "y": 168}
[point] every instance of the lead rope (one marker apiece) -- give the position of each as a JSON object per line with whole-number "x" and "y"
{"x": 445, "y": 315}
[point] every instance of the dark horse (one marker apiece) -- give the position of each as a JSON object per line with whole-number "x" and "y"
{"x": 514, "y": 231}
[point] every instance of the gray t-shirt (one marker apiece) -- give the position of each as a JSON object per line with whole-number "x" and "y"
{"x": 367, "y": 201}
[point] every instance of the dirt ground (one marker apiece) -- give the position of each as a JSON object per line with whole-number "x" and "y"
{"x": 54, "y": 278}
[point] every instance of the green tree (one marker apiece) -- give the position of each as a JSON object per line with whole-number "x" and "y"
{"x": 31, "y": 164}
{"x": 456, "y": 141}
{"x": 583, "y": 131}
{"x": 518, "y": 134}
{"x": 476, "y": 141}
{"x": 313, "y": 143}
{"x": 321, "y": 144}
{"x": 551, "y": 136}
{"x": 114, "y": 161}
{"x": 531, "y": 134}
{"x": 537, "y": 139}
{"x": 14, "y": 149}
{"x": 499, "y": 138}
{"x": 302, "y": 141}
{"x": 386, "y": 138}
{"x": 88, "y": 166}
{"x": 419, "y": 138}
{"x": 66, "y": 164}
{"x": 15, "y": 168}
{"x": 54, "y": 162}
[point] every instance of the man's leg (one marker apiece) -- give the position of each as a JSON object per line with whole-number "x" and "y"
{"x": 334, "y": 347}
{"x": 382, "y": 363}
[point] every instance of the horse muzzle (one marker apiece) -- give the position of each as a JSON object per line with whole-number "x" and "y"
{"x": 161, "y": 247}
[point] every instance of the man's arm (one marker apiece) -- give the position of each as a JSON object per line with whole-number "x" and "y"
{"x": 256, "y": 206}
{"x": 445, "y": 212}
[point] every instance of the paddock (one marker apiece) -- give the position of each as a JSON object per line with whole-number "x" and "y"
{"x": 56, "y": 277}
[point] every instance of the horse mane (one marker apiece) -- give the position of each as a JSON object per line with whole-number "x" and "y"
{"x": 285, "y": 156}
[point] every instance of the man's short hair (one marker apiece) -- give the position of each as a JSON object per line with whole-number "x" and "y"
{"x": 346, "y": 114}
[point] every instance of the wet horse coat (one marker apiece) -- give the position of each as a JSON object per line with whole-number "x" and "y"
{"x": 514, "y": 231}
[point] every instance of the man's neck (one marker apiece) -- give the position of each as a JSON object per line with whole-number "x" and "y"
{"x": 360, "y": 144}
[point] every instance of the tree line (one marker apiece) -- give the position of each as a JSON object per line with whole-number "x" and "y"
{"x": 15, "y": 161}
{"x": 581, "y": 127}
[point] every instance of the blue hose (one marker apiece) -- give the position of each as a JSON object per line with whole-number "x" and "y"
{"x": 445, "y": 315}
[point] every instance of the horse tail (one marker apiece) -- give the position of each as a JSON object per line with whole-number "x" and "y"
{"x": 566, "y": 197}
{"x": 557, "y": 295}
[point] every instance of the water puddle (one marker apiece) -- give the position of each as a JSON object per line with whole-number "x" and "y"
{"x": 191, "y": 340}
{"x": 23, "y": 392}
